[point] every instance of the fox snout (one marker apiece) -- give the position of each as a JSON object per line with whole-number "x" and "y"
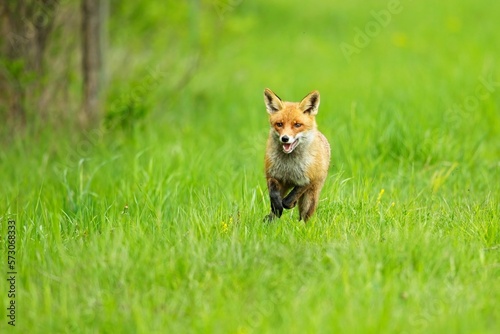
{"x": 289, "y": 143}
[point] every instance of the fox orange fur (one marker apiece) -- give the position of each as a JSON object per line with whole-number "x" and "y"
{"x": 297, "y": 155}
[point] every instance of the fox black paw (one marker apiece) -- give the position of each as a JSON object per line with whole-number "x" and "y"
{"x": 288, "y": 205}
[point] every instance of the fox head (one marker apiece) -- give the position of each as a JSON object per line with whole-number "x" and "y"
{"x": 292, "y": 123}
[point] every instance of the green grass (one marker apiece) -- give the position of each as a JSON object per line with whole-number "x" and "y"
{"x": 158, "y": 227}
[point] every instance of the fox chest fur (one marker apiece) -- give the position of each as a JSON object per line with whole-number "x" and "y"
{"x": 290, "y": 169}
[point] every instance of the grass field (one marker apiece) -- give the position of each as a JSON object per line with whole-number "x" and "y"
{"x": 156, "y": 226}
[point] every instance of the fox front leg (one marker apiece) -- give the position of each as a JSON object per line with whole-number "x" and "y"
{"x": 275, "y": 189}
{"x": 292, "y": 198}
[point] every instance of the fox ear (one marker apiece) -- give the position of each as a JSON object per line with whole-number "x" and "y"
{"x": 310, "y": 103}
{"x": 272, "y": 101}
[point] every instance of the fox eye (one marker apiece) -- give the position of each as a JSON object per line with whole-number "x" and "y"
{"x": 279, "y": 124}
{"x": 297, "y": 125}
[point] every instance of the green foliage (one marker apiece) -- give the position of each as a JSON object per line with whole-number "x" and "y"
{"x": 162, "y": 231}
{"x": 15, "y": 70}
{"x": 131, "y": 107}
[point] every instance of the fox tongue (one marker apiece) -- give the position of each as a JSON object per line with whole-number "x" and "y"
{"x": 287, "y": 147}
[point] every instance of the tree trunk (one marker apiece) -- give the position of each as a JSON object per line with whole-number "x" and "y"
{"x": 13, "y": 50}
{"x": 92, "y": 33}
{"x": 25, "y": 27}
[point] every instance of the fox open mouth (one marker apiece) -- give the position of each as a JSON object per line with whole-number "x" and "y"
{"x": 289, "y": 147}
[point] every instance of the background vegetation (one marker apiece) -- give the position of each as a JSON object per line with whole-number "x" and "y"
{"x": 152, "y": 221}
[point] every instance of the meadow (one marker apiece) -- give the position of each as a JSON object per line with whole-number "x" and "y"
{"x": 154, "y": 224}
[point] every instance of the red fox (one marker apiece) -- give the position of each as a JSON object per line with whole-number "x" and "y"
{"x": 297, "y": 155}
